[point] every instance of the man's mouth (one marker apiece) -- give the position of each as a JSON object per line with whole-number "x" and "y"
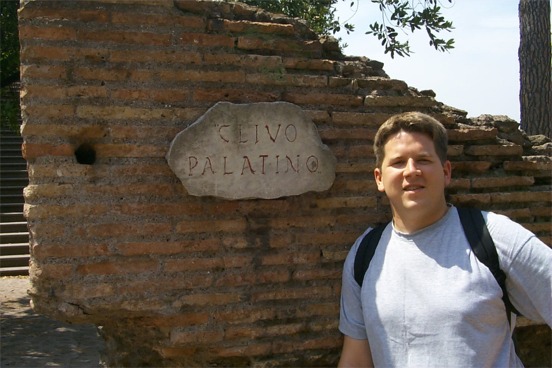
{"x": 411, "y": 188}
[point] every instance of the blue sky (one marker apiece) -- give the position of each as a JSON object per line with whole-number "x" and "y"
{"x": 480, "y": 75}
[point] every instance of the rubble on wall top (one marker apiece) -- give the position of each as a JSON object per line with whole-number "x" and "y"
{"x": 240, "y": 11}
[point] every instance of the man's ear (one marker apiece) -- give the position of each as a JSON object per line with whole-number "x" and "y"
{"x": 447, "y": 170}
{"x": 379, "y": 179}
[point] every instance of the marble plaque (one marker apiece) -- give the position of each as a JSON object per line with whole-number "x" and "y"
{"x": 260, "y": 150}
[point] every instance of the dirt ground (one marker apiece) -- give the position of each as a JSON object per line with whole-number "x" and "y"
{"x": 29, "y": 340}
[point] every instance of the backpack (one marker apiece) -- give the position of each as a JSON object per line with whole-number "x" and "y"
{"x": 477, "y": 234}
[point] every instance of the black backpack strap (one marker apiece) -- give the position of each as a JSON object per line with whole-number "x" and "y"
{"x": 366, "y": 251}
{"x": 484, "y": 249}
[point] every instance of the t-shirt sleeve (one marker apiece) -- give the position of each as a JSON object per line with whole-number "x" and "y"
{"x": 527, "y": 261}
{"x": 351, "y": 320}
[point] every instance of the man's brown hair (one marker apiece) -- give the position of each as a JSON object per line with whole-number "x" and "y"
{"x": 411, "y": 122}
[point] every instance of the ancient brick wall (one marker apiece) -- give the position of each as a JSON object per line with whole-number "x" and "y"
{"x": 175, "y": 279}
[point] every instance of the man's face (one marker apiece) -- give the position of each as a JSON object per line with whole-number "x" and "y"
{"x": 412, "y": 175}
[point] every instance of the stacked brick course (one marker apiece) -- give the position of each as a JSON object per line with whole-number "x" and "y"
{"x": 180, "y": 280}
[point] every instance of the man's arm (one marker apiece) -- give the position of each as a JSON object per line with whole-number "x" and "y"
{"x": 355, "y": 353}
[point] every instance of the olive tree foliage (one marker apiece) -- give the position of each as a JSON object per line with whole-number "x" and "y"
{"x": 398, "y": 17}
{"x": 319, "y": 14}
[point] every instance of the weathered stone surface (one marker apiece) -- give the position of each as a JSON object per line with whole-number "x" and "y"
{"x": 263, "y": 150}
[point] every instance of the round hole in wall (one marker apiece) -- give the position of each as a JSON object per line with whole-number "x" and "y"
{"x": 85, "y": 154}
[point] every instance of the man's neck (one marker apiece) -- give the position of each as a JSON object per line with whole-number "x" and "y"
{"x": 412, "y": 221}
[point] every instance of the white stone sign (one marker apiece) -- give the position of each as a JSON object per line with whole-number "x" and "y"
{"x": 260, "y": 150}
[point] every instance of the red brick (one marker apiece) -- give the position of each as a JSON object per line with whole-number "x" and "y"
{"x": 46, "y": 33}
{"x": 396, "y": 101}
{"x": 126, "y": 37}
{"x": 494, "y": 150}
{"x": 52, "y": 271}
{"x": 291, "y": 258}
{"x": 472, "y": 199}
{"x": 167, "y": 209}
{"x": 286, "y": 294}
{"x": 193, "y": 264}
{"x": 211, "y": 226}
{"x": 477, "y": 167}
{"x": 498, "y": 182}
{"x": 49, "y": 14}
{"x": 160, "y": 56}
{"x": 280, "y": 46}
{"x": 246, "y": 314}
{"x": 34, "y": 150}
{"x": 253, "y": 278}
{"x": 138, "y": 169}
{"x": 516, "y": 197}
{"x": 29, "y": 53}
{"x": 336, "y": 256}
{"x": 174, "y": 352}
{"x": 471, "y": 135}
{"x": 541, "y": 227}
{"x": 292, "y": 222}
{"x": 54, "y": 72}
{"x": 168, "y": 283}
{"x": 254, "y": 333}
{"x": 262, "y": 62}
{"x": 233, "y": 95}
{"x": 198, "y": 337}
{"x": 158, "y": 20}
{"x": 346, "y": 202}
{"x": 81, "y": 131}
{"x": 125, "y": 230}
{"x": 47, "y": 113}
{"x": 182, "y": 320}
{"x": 122, "y": 267}
{"x": 310, "y": 81}
{"x": 318, "y": 274}
{"x": 528, "y": 165}
{"x": 309, "y": 64}
{"x": 464, "y": 183}
{"x": 249, "y": 349}
{"x": 212, "y": 299}
{"x": 129, "y": 150}
{"x": 207, "y": 40}
{"x": 88, "y": 290}
{"x": 251, "y": 27}
{"x": 67, "y": 212}
{"x": 373, "y": 119}
{"x": 157, "y": 95}
{"x": 167, "y": 248}
{"x": 38, "y": 171}
{"x": 325, "y": 309}
{"x": 101, "y": 74}
{"x": 315, "y": 343}
{"x": 71, "y": 250}
{"x": 202, "y": 76}
{"x": 130, "y": 189}
{"x": 122, "y": 113}
{"x": 323, "y": 99}
{"x": 351, "y": 167}
{"x": 325, "y": 238}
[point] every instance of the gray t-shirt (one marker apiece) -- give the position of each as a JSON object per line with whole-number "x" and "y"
{"x": 427, "y": 301}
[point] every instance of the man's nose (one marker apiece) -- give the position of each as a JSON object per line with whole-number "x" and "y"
{"x": 411, "y": 168}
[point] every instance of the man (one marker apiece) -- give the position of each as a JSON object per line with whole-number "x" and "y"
{"x": 426, "y": 300}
